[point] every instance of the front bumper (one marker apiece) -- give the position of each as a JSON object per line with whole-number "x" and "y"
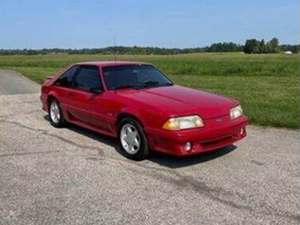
{"x": 43, "y": 98}
{"x": 216, "y": 133}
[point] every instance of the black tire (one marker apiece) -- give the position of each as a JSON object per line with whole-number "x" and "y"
{"x": 143, "y": 150}
{"x": 61, "y": 121}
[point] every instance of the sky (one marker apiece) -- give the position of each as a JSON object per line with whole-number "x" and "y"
{"x": 162, "y": 23}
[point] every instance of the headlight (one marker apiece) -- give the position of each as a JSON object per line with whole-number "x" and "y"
{"x": 236, "y": 112}
{"x": 185, "y": 122}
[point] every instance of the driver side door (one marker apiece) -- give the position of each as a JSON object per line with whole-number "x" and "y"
{"x": 85, "y": 98}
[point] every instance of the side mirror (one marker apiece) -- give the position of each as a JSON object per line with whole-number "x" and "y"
{"x": 96, "y": 91}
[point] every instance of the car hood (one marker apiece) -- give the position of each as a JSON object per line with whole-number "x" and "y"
{"x": 176, "y": 101}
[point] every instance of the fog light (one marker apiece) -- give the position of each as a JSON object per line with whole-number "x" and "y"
{"x": 188, "y": 146}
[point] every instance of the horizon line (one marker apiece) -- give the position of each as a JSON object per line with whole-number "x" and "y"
{"x": 130, "y": 46}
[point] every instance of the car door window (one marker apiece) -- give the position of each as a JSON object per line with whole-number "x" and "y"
{"x": 88, "y": 78}
{"x": 66, "y": 79}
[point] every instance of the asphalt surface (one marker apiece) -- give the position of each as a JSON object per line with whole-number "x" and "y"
{"x": 74, "y": 176}
{"x": 12, "y": 82}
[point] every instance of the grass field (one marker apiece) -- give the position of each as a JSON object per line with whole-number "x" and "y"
{"x": 266, "y": 85}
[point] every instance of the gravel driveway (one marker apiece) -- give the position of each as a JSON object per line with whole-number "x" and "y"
{"x": 74, "y": 176}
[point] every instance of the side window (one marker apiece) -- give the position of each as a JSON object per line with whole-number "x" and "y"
{"x": 66, "y": 79}
{"x": 88, "y": 78}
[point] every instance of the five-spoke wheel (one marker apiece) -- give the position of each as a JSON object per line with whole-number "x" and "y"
{"x": 55, "y": 114}
{"x": 132, "y": 139}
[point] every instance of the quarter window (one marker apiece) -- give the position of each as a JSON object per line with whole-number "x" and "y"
{"x": 66, "y": 79}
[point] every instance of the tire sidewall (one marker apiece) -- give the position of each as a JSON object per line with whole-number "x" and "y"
{"x": 143, "y": 152}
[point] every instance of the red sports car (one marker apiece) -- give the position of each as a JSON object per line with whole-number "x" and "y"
{"x": 140, "y": 106}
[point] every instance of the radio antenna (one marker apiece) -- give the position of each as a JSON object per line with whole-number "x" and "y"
{"x": 115, "y": 48}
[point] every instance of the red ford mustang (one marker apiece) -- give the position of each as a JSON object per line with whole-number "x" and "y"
{"x": 140, "y": 106}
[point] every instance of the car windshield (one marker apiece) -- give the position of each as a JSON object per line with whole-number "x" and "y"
{"x": 134, "y": 76}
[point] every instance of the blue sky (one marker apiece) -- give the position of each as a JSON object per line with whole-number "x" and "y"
{"x": 163, "y": 23}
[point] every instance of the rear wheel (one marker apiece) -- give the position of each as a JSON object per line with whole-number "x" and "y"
{"x": 132, "y": 139}
{"x": 56, "y": 116}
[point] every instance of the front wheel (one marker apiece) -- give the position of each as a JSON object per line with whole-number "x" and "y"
{"x": 56, "y": 116}
{"x": 133, "y": 140}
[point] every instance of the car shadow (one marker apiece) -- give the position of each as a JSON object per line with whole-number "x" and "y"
{"x": 177, "y": 162}
{"x": 91, "y": 134}
{"x": 155, "y": 157}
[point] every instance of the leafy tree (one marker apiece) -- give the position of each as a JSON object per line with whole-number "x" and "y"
{"x": 262, "y": 46}
{"x": 252, "y": 46}
{"x": 224, "y": 47}
{"x": 255, "y": 46}
{"x": 292, "y": 48}
{"x": 274, "y": 45}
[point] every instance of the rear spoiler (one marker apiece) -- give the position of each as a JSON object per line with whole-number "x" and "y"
{"x": 53, "y": 76}
{"x": 49, "y": 78}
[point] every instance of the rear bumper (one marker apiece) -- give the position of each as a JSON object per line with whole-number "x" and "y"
{"x": 208, "y": 138}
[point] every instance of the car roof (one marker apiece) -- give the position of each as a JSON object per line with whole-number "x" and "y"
{"x": 111, "y": 63}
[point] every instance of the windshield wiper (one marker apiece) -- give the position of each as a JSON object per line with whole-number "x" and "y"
{"x": 150, "y": 83}
{"x": 126, "y": 86}
{"x": 143, "y": 85}
{"x": 166, "y": 84}
{"x": 156, "y": 84}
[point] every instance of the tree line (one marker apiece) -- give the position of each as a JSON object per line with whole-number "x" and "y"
{"x": 250, "y": 46}
{"x": 256, "y": 46}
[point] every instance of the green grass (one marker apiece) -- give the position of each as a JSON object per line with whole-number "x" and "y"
{"x": 266, "y": 85}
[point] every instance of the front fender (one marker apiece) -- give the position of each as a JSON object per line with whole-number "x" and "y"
{"x": 149, "y": 118}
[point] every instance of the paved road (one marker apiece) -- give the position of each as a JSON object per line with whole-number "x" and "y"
{"x": 12, "y": 82}
{"x": 73, "y": 176}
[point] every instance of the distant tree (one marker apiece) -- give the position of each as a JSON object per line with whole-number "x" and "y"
{"x": 262, "y": 46}
{"x": 292, "y": 48}
{"x": 224, "y": 47}
{"x": 274, "y": 45}
{"x": 255, "y": 46}
{"x": 252, "y": 46}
